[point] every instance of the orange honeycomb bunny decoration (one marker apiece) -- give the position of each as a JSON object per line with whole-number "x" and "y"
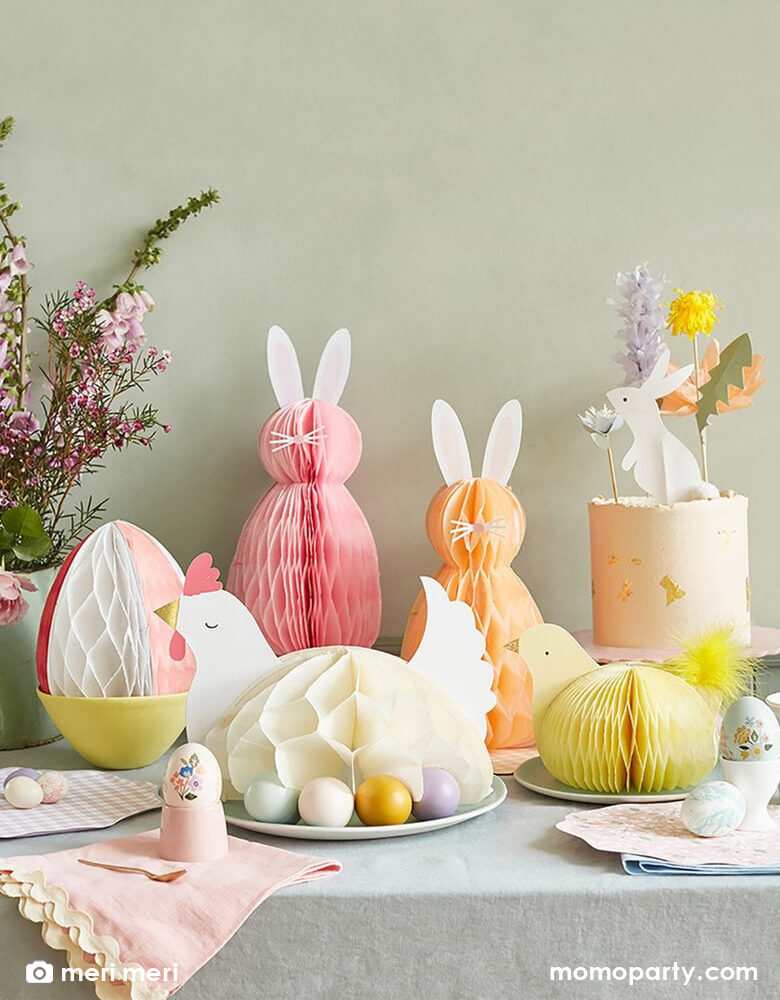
{"x": 477, "y": 526}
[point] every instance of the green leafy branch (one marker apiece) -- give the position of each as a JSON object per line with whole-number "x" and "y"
{"x": 150, "y": 252}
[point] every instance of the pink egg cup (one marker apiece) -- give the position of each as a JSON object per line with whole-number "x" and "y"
{"x": 193, "y": 834}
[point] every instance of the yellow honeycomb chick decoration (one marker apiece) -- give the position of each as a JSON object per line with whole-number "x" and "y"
{"x": 636, "y": 727}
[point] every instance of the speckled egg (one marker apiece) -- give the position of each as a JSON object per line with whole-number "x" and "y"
{"x": 713, "y": 809}
{"x": 383, "y": 801}
{"x": 750, "y": 731}
{"x": 54, "y": 785}
{"x": 326, "y": 802}
{"x": 440, "y": 797}
{"x": 192, "y": 778}
{"x": 21, "y": 772}
{"x": 266, "y": 799}
{"x": 23, "y": 793}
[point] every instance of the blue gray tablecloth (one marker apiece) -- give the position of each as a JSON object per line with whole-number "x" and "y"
{"x": 482, "y": 910}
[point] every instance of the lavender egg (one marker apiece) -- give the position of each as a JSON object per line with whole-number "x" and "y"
{"x": 440, "y": 797}
{"x": 21, "y": 772}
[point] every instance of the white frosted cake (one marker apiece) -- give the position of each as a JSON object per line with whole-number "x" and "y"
{"x": 665, "y": 573}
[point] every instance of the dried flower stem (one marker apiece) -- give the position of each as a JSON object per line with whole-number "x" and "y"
{"x": 23, "y": 333}
{"x": 612, "y": 473}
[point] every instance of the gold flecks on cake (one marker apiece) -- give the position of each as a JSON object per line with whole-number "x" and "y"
{"x": 674, "y": 591}
{"x": 635, "y": 561}
{"x": 626, "y": 591}
{"x": 612, "y": 559}
{"x": 747, "y": 594}
{"x": 725, "y": 536}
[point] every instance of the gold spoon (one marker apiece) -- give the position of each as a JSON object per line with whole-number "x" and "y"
{"x": 167, "y": 877}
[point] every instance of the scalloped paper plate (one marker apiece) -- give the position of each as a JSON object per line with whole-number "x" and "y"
{"x": 535, "y": 776}
{"x": 238, "y": 816}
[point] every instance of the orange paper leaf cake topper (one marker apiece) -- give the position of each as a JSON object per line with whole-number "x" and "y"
{"x": 476, "y": 526}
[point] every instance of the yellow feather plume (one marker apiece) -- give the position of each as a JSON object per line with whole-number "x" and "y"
{"x": 716, "y": 662}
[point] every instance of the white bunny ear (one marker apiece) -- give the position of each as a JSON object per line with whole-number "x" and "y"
{"x": 503, "y": 443}
{"x": 449, "y": 443}
{"x": 283, "y": 367}
{"x": 659, "y": 384}
{"x": 333, "y": 368}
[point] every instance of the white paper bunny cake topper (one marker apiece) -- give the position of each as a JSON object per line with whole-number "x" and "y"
{"x": 342, "y": 711}
{"x": 306, "y": 564}
{"x": 476, "y": 526}
{"x": 663, "y": 467}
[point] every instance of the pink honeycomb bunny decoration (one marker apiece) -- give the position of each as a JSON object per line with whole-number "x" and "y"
{"x": 306, "y": 564}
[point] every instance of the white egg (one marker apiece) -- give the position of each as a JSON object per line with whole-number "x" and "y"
{"x": 192, "y": 777}
{"x": 326, "y": 802}
{"x": 750, "y": 731}
{"x": 23, "y": 793}
{"x": 713, "y": 809}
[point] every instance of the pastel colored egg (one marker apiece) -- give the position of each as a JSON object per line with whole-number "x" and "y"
{"x": 750, "y": 731}
{"x": 326, "y": 802}
{"x": 440, "y": 797}
{"x": 383, "y": 801}
{"x": 266, "y": 799}
{"x": 54, "y": 785}
{"x": 26, "y": 772}
{"x": 192, "y": 777}
{"x": 713, "y": 809}
{"x": 23, "y": 793}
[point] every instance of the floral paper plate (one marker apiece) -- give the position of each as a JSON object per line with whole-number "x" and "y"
{"x": 656, "y": 831}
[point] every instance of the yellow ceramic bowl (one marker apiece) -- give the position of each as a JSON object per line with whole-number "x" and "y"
{"x": 118, "y": 733}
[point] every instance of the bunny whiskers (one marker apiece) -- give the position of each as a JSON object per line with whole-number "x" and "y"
{"x": 279, "y": 441}
{"x": 460, "y": 529}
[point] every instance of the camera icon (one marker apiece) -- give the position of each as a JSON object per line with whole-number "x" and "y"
{"x": 39, "y": 972}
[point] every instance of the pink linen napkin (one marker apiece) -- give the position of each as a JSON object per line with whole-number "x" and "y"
{"x": 119, "y": 921}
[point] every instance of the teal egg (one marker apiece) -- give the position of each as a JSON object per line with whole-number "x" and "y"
{"x": 267, "y": 800}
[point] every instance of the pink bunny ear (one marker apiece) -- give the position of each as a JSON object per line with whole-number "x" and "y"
{"x": 283, "y": 367}
{"x": 333, "y": 369}
{"x": 202, "y": 576}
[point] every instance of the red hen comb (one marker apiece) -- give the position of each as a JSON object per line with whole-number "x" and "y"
{"x": 202, "y": 576}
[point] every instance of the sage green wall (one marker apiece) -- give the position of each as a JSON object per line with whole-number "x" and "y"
{"x": 456, "y": 182}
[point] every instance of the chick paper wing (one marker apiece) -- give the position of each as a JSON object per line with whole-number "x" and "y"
{"x": 450, "y": 654}
{"x": 555, "y": 659}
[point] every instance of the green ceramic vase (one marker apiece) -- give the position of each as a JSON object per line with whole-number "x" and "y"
{"x": 23, "y": 720}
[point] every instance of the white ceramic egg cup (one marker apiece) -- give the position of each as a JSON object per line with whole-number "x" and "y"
{"x": 757, "y": 780}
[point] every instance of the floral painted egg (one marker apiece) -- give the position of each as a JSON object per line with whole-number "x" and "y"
{"x": 750, "y": 731}
{"x": 54, "y": 785}
{"x": 192, "y": 777}
{"x": 713, "y": 809}
{"x": 99, "y": 636}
